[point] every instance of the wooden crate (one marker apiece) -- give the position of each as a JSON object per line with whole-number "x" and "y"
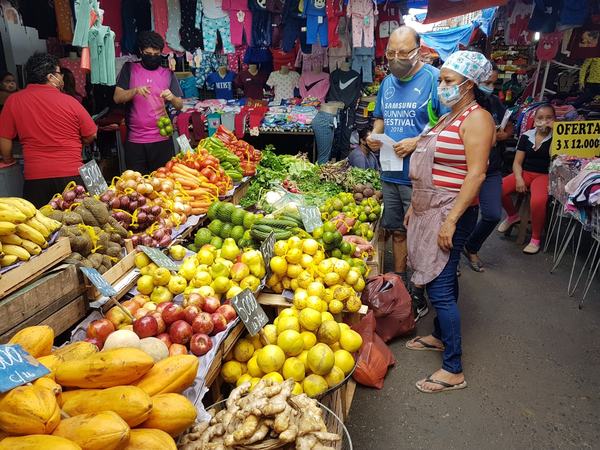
{"x": 56, "y": 299}
{"x": 35, "y": 267}
{"x": 115, "y": 274}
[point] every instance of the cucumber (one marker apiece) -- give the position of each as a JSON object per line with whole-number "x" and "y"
{"x": 277, "y": 223}
{"x": 292, "y": 218}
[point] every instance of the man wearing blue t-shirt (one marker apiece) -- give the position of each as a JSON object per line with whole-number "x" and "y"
{"x": 406, "y": 103}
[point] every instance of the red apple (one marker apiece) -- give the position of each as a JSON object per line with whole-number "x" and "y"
{"x": 228, "y": 312}
{"x": 131, "y": 306}
{"x": 211, "y": 304}
{"x": 117, "y": 317}
{"x": 219, "y": 322}
{"x": 203, "y": 323}
{"x": 190, "y": 313}
{"x": 200, "y": 344}
{"x": 165, "y": 338}
{"x": 177, "y": 349}
{"x": 94, "y": 340}
{"x": 141, "y": 313}
{"x": 195, "y": 299}
{"x": 180, "y": 332}
{"x": 145, "y": 327}
{"x": 100, "y": 329}
{"x": 162, "y": 326}
{"x": 172, "y": 313}
{"x": 161, "y": 306}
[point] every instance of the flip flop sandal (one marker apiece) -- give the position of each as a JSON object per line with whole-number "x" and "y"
{"x": 426, "y": 347}
{"x": 445, "y": 386}
{"x": 476, "y": 266}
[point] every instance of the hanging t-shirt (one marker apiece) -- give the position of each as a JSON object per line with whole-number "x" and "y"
{"x": 585, "y": 42}
{"x": 213, "y": 9}
{"x": 314, "y": 85}
{"x": 223, "y": 85}
{"x": 283, "y": 84}
{"x": 548, "y": 46}
{"x": 404, "y": 108}
{"x": 344, "y": 86}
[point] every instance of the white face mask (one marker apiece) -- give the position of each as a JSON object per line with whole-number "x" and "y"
{"x": 450, "y": 95}
{"x": 60, "y": 83}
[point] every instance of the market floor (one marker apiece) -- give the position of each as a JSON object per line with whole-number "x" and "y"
{"x": 531, "y": 358}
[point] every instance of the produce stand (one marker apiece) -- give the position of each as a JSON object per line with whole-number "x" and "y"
{"x": 116, "y": 276}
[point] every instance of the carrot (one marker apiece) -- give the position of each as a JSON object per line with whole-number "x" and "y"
{"x": 187, "y": 183}
{"x": 181, "y": 168}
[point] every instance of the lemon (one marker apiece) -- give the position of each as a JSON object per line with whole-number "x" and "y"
{"x": 294, "y": 256}
{"x": 278, "y": 265}
{"x": 287, "y": 323}
{"x": 344, "y": 361}
{"x": 273, "y": 280}
{"x": 256, "y": 342}
{"x": 243, "y": 350}
{"x": 335, "y": 307}
{"x": 295, "y": 243}
{"x": 293, "y": 270}
{"x": 304, "y": 358}
{"x": 325, "y": 267}
{"x": 353, "y": 304}
{"x": 310, "y": 246}
{"x": 306, "y": 261}
{"x": 328, "y": 294}
{"x": 275, "y": 376}
{"x": 145, "y": 284}
{"x": 293, "y": 368}
{"x": 253, "y": 382}
{"x": 309, "y": 339}
{"x": 281, "y": 248}
{"x": 316, "y": 288}
{"x": 323, "y": 306}
{"x": 313, "y": 302}
{"x": 253, "y": 369}
{"x": 314, "y": 385}
{"x": 353, "y": 277}
{"x": 285, "y": 282}
{"x": 329, "y": 332}
{"x": 342, "y": 292}
{"x": 270, "y": 358}
{"x": 360, "y": 285}
{"x": 341, "y": 267}
{"x": 335, "y": 377}
{"x": 231, "y": 371}
{"x": 320, "y": 359}
{"x": 294, "y": 285}
{"x": 304, "y": 279}
{"x": 350, "y": 340}
{"x": 244, "y": 368}
{"x": 344, "y": 326}
{"x": 318, "y": 257}
{"x": 299, "y": 302}
{"x": 142, "y": 260}
{"x": 289, "y": 312}
{"x": 335, "y": 347}
{"x": 310, "y": 319}
{"x": 243, "y": 379}
{"x": 290, "y": 342}
{"x": 270, "y": 332}
{"x": 297, "y": 389}
{"x": 331, "y": 278}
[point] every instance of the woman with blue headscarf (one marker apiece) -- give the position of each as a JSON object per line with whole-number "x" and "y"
{"x": 447, "y": 170}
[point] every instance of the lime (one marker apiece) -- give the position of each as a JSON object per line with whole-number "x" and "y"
{"x": 226, "y": 230}
{"x": 163, "y": 132}
{"x": 346, "y": 248}
{"x": 337, "y": 238}
{"x": 328, "y": 237}
{"x": 217, "y": 242}
{"x": 336, "y": 253}
{"x": 363, "y": 217}
{"x": 317, "y": 232}
{"x": 328, "y": 227}
{"x": 237, "y": 233}
{"x": 372, "y": 217}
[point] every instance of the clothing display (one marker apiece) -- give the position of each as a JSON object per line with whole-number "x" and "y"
{"x": 210, "y": 27}
{"x": 362, "y": 62}
{"x": 590, "y": 71}
{"x": 323, "y": 126}
{"x": 344, "y": 86}
{"x": 136, "y": 16}
{"x": 240, "y": 20}
{"x": 314, "y": 84}
{"x": 316, "y": 22}
{"x": 283, "y": 84}
{"x": 389, "y": 18}
{"x": 189, "y": 34}
{"x": 173, "y": 39}
{"x": 62, "y": 10}
{"x": 261, "y": 23}
{"x": 223, "y": 85}
{"x": 74, "y": 65}
{"x": 341, "y": 53}
{"x": 335, "y": 11}
{"x": 363, "y": 14}
{"x": 317, "y": 58}
{"x": 251, "y": 84}
{"x": 213, "y": 9}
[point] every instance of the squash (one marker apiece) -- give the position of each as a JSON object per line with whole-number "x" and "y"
{"x": 131, "y": 403}
{"x": 47, "y": 383}
{"x": 37, "y": 340}
{"x": 51, "y": 362}
{"x": 172, "y": 374}
{"x": 116, "y": 367}
{"x": 149, "y": 439}
{"x": 75, "y": 350}
{"x": 29, "y": 410}
{"x": 171, "y": 413}
{"x": 66, "y": 395}
{"x": 98, "y": 431}
{"x": 38, "y": 442}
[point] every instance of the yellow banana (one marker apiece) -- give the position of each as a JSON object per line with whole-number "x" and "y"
{"x": 39, "y": 226}
{"x": 48, "y": 222}
{"x": 11, "y": 239}
{"x": 31, "y": 247}
{"x": 17, "y": 251}
{"x": 12, "y": 215}
{"x": 21, "y": 204}
{"x": 25, "y": 231}
{"x": 7, "y": 228}
{"x": 8, "y": 260}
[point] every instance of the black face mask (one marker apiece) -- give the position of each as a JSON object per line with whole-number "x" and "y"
{"x": 151, "y": 62}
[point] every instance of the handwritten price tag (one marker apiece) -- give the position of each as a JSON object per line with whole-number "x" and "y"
{"x": 184, "y": 144}
{"x": 251, "y": 313}
{"x": 17, "y": 367}
{"x": 311, "y": 217}
{"x": 92, "y": 178}
{"x": 267, "y": 249}
{"x": 159, "y": 258}
{"x": 99, "y": 281}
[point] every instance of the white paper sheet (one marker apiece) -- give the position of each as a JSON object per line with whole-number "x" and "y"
{"x": 387, "y": 156}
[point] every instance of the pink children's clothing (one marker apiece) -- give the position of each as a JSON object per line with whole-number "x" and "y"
{"x": 235, "y": 60}
{"x": 160, "y": 14}
{"x": 314, "y": 85}
{"x": 240, "y": 20}
{"x": 310, "y": 61}
{"x": 363, "y": 14}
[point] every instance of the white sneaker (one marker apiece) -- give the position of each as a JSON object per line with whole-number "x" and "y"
{"x": 506, "y": 225}
{"x": 531, "y": 249}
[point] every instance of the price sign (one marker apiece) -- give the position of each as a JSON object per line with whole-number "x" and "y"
{"x": 17, "y": 367}
{"x": 92, "y": 178}
{"x": 267, "y": 248}
{"x": 311, "y": 217}
{"x": 184, "y": 144}
{"x": 251, "y": 313}
{"x": 99, "y": 281}
{"x": 578, "y": 138}
{"x": 159, "y": 258}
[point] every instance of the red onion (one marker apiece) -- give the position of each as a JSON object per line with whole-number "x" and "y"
{"x": 69, "y": 196}
{"x": 124, "y": 201}
{"x": 133, "y": 196}
{"x": 133, "y": 206}
{"x": 147, "y": 240}
{"x": 156, "y": 210}
{"x": 141, "y": 200}
{"x": 151, "y": 218}
{"x": 135, "y": 240}
{"x": 120, "y": 216}
{"x": 146, "y": 209}
{"x": 158, "y": 234}
{"x": 105, "y": 198}
{"x": 142, "y": 217}
{"x": 80, "y": 190}
{"x": 54, "y": 204}
{"x": 115, "y": 203}
{"x": 165, "y": 241}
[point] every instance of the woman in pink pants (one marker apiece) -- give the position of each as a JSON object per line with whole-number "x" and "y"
{"x": 530, "y": 172}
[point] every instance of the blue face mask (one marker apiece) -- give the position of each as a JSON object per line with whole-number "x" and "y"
{"x": 486, "y": 89}
{"x": 450, "y": 95}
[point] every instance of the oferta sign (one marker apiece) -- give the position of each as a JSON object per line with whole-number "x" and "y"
{"x": 578, "y": 138}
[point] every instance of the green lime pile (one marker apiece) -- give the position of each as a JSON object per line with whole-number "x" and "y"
{"x": 165, "y": 126}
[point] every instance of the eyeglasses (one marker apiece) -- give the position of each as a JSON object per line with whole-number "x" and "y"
{"x": 394, "y": 54}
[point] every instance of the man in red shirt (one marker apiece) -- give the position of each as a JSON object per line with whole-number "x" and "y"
{"x": 51, "y": 126}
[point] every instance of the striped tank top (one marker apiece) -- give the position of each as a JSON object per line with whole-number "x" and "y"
{"x": 450, "y": 160}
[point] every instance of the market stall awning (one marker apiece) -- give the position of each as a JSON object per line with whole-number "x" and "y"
{"x": 438, "y": 10}
{"x": 446, "y": 42}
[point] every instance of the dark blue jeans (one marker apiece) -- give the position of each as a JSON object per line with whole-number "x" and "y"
{"x": 443, "y": 295}
{"x": 490, "y": 205}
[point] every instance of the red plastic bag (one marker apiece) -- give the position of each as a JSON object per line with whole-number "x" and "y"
{"x": 391, "y": 303}
{"x": 374, "y": 357}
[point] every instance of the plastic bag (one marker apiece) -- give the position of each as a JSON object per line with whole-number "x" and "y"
{"x": 374, "y": 357}
{"x": 391, "y": 304}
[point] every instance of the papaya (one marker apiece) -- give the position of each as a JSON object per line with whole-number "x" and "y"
{"x": 131, "y": 403}
{"x": 120, "y": 366}
{"x": 47, "y": 383}
{"x": 171, "y": 413}
{"x": 171, "y": 375}
{"x": 51, "y": 362}
{"x": 149, "y": 439}
{"x": 75, "y": 350}
{"x": 29, "y": 410}
{"x": 38, "y": 442}
{"x": 36, "y": 340}
{"x": 98, "y": 431}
